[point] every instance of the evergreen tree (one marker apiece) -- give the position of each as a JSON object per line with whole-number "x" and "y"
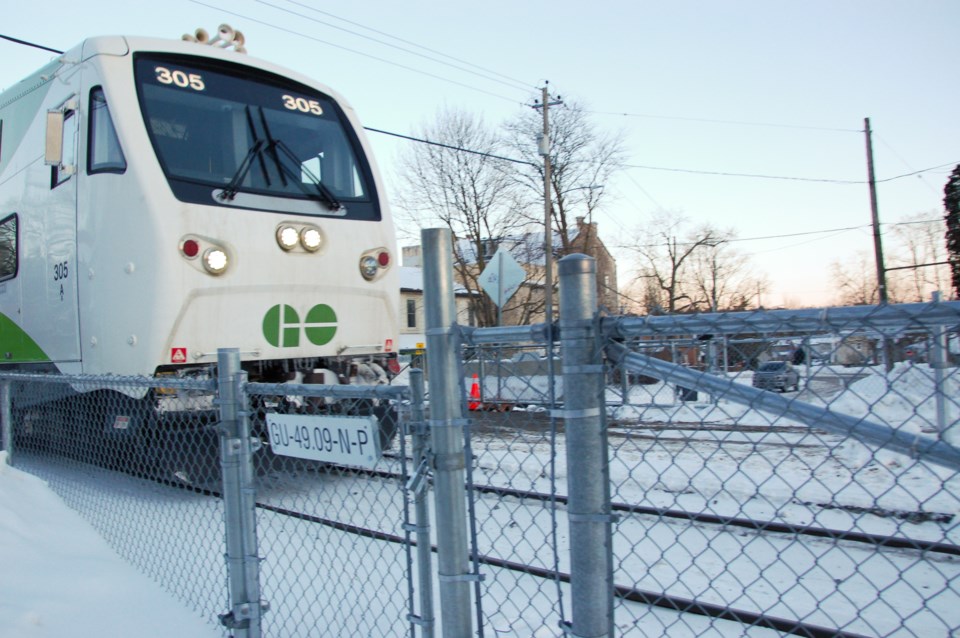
{"x": 951, "y": 202}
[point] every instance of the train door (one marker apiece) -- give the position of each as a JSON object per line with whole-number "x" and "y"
{"x": 50, "y": 294}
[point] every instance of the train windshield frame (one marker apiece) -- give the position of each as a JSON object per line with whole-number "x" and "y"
{"x": 235, "y": 136}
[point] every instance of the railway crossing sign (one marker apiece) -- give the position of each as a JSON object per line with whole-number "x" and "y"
{"x": 502, "y": 277}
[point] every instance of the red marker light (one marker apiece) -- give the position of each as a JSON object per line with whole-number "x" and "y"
{"x": 190, "y": 248}
{"x": 383, "y": 259}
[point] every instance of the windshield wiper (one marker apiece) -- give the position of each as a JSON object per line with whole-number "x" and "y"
{"x": 254, "y": 152}
{"x": 268, "y": 146}
{"x": 324, "y": 193}
{"x": 233, "y": 187}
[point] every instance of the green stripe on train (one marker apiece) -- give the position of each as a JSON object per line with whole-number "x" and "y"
{"x": 16, "y": 346}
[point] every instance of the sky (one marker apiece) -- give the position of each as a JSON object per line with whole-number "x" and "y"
{"x": 748, "y": 87}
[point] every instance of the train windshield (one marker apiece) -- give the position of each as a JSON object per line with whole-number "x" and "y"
{"x": 232, "y": 136}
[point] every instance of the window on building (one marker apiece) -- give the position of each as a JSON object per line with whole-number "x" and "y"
{"x": 8, "y": 248}
{"x": 411, "y": 313}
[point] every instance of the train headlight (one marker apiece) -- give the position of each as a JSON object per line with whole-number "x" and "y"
{"x": 215, "y": 261}
{"x": 368, "y": 267}
{"x": 311, "y": 239}
{"x": 287, "y": 237}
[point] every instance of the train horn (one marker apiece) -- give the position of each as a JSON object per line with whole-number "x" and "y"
{"x": 225, "y": 38}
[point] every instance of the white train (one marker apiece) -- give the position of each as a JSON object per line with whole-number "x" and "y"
{"x": 161, "y": 199}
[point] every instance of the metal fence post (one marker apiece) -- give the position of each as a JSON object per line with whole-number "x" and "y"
{"x": 6, "y": 421}
{"x": 588, "y": 471}
{"x": 938, "y": 361}
{"x": 421, "y": 508}
{"x": 239, "y": 502}
{"x": 446, "y": 428}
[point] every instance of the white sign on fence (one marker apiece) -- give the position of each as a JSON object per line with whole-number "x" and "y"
{"x": 344, "y": 440}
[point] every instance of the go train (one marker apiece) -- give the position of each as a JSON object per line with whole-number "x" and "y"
{"x": 161, "y": 199}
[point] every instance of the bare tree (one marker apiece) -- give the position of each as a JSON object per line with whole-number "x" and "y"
{"x": 461, "y": 183}
{"x": 856, "y": 281}
{"x": 664, "y": 251}
{"x": 919, "y": 264}
{"x": 582, "y": 161}
{"x": 720, "y": 276}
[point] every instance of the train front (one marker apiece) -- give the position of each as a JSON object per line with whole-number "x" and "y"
{"x": 268, "y": 227}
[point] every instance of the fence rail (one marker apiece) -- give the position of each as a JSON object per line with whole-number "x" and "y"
{"x": 759, "y": 473}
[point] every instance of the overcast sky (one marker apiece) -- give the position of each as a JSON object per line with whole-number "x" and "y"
{"x": 749, "y": 87}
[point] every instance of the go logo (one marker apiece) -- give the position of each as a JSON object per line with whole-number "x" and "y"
{"x": 282, "y": 326}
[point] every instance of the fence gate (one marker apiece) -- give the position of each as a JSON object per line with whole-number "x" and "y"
{"x": 309, "y": 485}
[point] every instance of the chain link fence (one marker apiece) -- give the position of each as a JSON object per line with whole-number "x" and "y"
{"x": 764, "y": 473}
{"x": 770, "y": 473}
{"x": 233, "y": 495}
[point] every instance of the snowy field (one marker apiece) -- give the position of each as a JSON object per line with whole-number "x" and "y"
{"x": 699, "y": 456}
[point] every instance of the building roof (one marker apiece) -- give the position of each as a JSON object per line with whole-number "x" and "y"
{"x": 411, "y": 280}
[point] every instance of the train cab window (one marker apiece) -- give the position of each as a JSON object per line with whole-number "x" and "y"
{"x": 227, "y": 135}
{"x": 8, "y": 248}
{"x": 104, "y": 154}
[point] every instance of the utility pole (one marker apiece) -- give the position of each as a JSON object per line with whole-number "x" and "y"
{"x": 877, "y": 244}
{"x": 544, "y": 151}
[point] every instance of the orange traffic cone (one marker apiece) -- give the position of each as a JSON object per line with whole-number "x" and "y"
{"x": 475, "y": 394}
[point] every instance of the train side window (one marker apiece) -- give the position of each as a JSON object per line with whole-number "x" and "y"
{"x": 8, "y": 248}
{"x": 104, "y": 154}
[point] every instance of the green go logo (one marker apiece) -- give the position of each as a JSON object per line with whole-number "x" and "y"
{"x": 282, "y": 326}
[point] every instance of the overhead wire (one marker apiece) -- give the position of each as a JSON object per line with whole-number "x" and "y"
{"x": 357, "y": 52}
{"x": 29, "y": 44}
{"x": 486, "y": 73}
{"x": 721, "y": 121}
{"x": 447, "y": 146}
{"x": 474, "y": 88}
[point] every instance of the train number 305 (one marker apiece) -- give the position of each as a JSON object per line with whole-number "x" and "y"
{"x": 60, "y": 271}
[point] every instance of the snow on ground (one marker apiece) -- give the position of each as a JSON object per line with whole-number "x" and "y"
{"x": 59, "y": 577}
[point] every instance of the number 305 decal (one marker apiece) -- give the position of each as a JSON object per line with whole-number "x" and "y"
{"x": 60, "y": 271}
{"x": 180, "y": 78}
{"x": 302, "y": 104}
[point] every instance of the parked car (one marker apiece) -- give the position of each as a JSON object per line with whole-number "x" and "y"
{"x": 776, "y": 375}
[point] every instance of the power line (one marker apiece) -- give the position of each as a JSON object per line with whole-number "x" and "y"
{"x": 447, "y": 146}
{"x": 356, "y": 52}
{"x": 925, "y": 170}
{"x": 780, "y": 177}
{"x": 915, "y": 266}
{"x": 781, "y": 236}
{"x": 29, "y": 44}
{"x": 789, "y": 235}
{"x": 515, "y": 83}
{"x": 733, "y": 122}
{"x": 729, "y": 174}
{"x": 635, "y": 166}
